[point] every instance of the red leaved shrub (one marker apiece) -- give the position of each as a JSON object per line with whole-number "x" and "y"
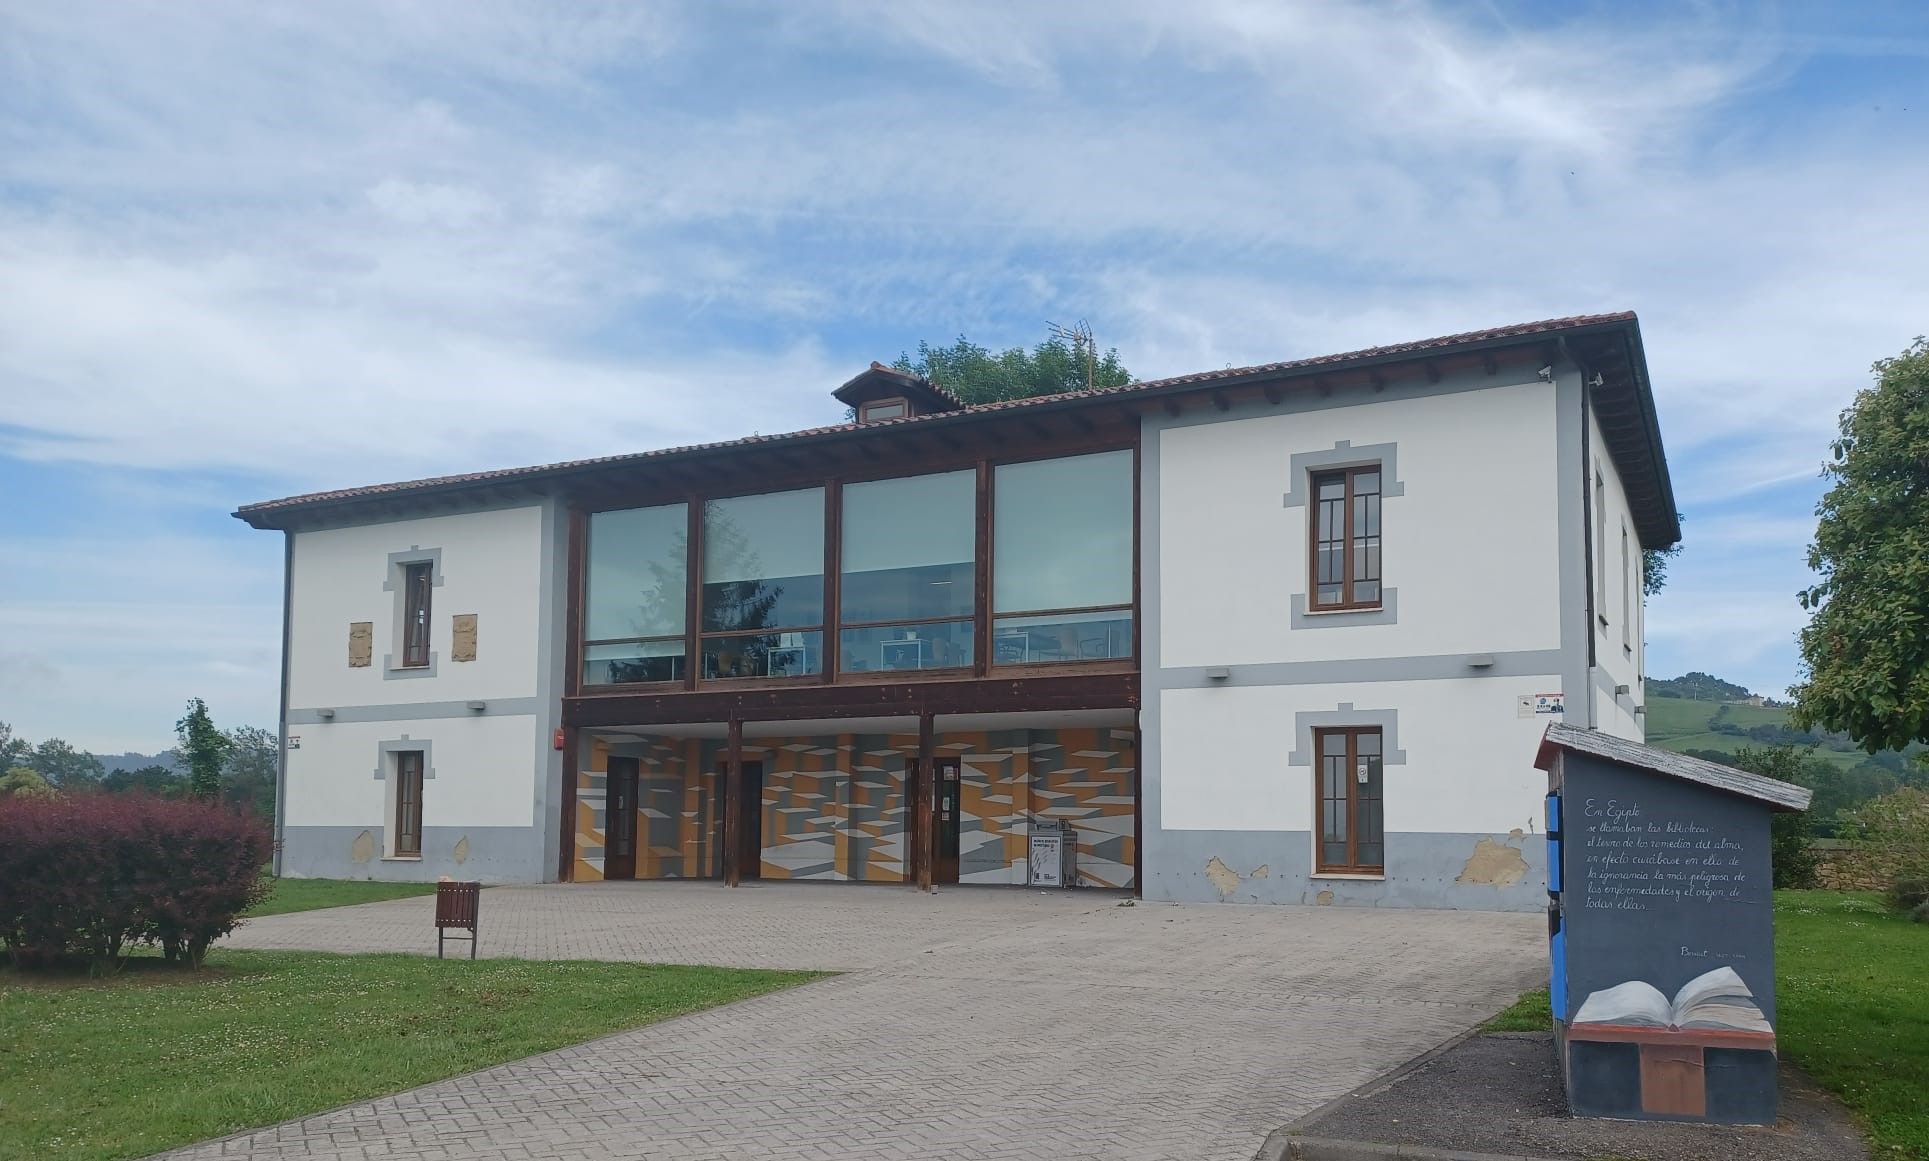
{"x": 85, "y": 876}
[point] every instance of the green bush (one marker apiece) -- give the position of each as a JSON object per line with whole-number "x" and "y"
{"x": 1896, "y": 829}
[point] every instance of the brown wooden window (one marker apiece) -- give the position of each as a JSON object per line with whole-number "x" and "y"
{"x": 1352, "y": 837}
{"x": 417, "y": 585}
{"x": 1346, "y": 538}
{"x": 408, "y": 803}
{"x": 876, "y": 409}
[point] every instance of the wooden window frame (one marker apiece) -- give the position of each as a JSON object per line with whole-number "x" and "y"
{"x": 409, "y": 766}
{"x": 418, "y": 599}
{"x": 1352, "y": 866}
{"x": 864, "y": 411}
{"x": 1349, "y": 540}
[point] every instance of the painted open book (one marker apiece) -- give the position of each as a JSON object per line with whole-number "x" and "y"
{"x": 1713, "y": 1000}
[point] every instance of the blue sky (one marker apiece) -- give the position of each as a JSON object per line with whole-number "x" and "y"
{"x": 248, "y": 250}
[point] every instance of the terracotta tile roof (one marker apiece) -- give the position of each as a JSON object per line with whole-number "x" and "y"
{"x": 266, "y": 509}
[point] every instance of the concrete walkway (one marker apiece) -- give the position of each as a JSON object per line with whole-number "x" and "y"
{"x": 972, "y": 1024}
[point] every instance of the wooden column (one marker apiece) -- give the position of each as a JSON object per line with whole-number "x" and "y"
{"x": 927, "y": 836}
{"x": 733, "y": 805}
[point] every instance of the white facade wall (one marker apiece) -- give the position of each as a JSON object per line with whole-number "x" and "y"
{"x": 1617, "y": 627}
{"x": 484, "y": 813}
{"x": 490, "y": 565}
{"x": 1239, "y": 677}
{"x": 1468, "y": 548}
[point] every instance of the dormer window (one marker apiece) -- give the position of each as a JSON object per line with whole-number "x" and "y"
{"x": 883, "y": 393}
{"x": 894, "y": 408}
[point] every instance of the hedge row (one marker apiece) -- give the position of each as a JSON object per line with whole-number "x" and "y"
{"x": 84, "y": 878}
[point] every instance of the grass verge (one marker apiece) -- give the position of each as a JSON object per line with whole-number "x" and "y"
{"x": 156, "y": 1057}
{"x": 314, "y": 894}
{"x": 1852, "y": 999}
{"x": 1530, "y": 1013}
{"x": 1852, "y": 1010}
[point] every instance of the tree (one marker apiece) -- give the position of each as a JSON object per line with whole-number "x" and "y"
{"x": 253, "y": 757}
{"x": 151, "y": 779}
{"x": 13, "y": 751}
{"x": 1067, "y": 361}
{"x": 1865, "y": 650}
{"x": 1791, "y": 834}
{"x": 204, "y": 749}
{"x": 1654, "y": 564}
{"x": 25, "y": 783}
{"x": 65, "y": 767}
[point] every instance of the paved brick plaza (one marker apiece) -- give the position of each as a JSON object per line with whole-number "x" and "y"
{"x": 973, "y": 1023}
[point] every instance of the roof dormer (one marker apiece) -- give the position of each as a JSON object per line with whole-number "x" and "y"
{"x": 883, "y": 393}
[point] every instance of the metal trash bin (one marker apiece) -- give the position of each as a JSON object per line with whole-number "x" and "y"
{"x": 1054, "y": 855}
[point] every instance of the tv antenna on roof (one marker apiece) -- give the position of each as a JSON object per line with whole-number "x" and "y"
{"x": 1079, "y": 334}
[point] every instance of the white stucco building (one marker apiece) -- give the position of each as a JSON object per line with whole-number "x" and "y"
{"x": 1287, "y": 633}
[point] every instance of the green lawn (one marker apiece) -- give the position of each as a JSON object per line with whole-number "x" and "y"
{"x": 311, "y": 894}
{"x": 92, "y": 1071}
{"x": 1852, "y": 1000}
{"x": 1852, "y": 989}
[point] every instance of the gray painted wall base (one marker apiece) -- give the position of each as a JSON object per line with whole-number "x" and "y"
{"x": 492, "y": 854}
{"x": 1471, "y": 872}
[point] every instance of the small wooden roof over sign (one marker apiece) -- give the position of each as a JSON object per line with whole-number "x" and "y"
{"x": 1777, "y": 794}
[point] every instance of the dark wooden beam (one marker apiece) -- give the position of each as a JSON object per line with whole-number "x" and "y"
{"x": 1083, "y": 422}
{"x": 1005, "y": 692}
{"x": 1038, "y": 430}
{"x": 927, "y": 801}
{"x": 1274, "y": 394}
{"x": 735, "y": 805}
{"x": 1488, "y": 363}
{"x": 1322, "y": 386}
{"x": 1378, "y": 379}
{"x": 1173, "y": 408}
{"x": 1220, "y": 401}
{"x": 1433, "y": 371}
{"x": 948, "y": 438}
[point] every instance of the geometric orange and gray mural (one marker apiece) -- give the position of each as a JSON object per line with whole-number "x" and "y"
{"x": 833, "y": 807}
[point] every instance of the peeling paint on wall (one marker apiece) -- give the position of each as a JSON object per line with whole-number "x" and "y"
{"x": 462, "y": 640}
{"x": 364, "y": 848}
{"x": 1224, "y": 879}
{"x": 1262, "y": 871}
{"x": 361, "y": 643}
{"x": 1324, "y": 898}
{"x": 461, "y": 852}
{"x": 1494, "y": 865}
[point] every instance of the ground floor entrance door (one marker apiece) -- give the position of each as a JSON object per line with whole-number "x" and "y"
{"x": 944, "y": 861}
{"x": 619, "y": 823}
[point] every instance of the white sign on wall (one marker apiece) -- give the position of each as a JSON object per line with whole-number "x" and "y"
{"x": 1531, "y": 704}
{"x": 294, "y": 741}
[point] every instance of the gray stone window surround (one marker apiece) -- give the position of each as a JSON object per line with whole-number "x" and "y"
{"x": 385, "y": 752}
{"x": 392, "y": 583}
{"x": 1344, "y": 715}
{"x": 1304, "y": 723}
{"x": 1343, "y": 454}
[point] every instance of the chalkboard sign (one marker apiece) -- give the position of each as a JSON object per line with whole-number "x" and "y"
{"x": 1661, "y": 930}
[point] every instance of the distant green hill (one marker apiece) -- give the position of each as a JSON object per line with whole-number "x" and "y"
{"x": 1710, "y": 718}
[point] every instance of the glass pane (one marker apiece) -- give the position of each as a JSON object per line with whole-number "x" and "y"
{"x": 1366, "y": 592}
{"x": 764, "y": 655}
{"x": 1063, "y": 533}
{"x": 632, "y": 661}
{"x": 1372, "y": 855}
{"x": 1333, "y": 745}
{"x": 1332, "y": 488}
{"x": 1365, "y": 482}
{"x": 1096, "y": 636}
{"x": 1332, "y": 565}
{"x": 1336, "y": 825}
{"x": 1334, "y": 855}
{"x": 945, "y": 645}
{"x": 763, "y": 561}
{"x": 1366, "y": 516}
{"x": 908, "y": 547}
{"x": 1367, "y": 562}
{"x": 637, "y": 569}
{"x": 1367, "y": 745}
{"x": 884, "y": 409}
{"x": 1329, "y": 595}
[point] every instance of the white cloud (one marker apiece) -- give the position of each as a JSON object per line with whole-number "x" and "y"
{"x": 324, "y": 246}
